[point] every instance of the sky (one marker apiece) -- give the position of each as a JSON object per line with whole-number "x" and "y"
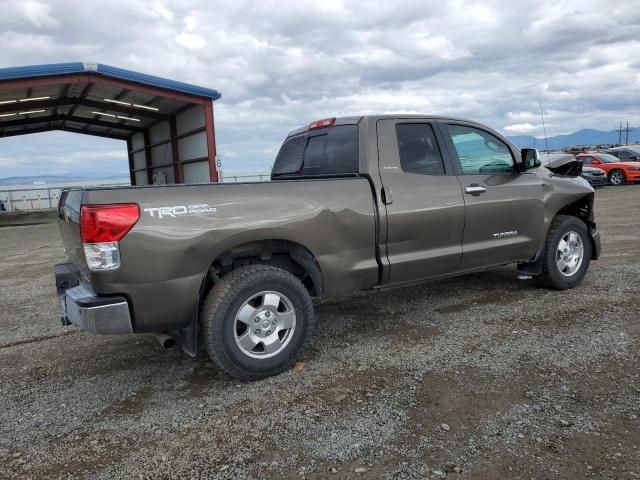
{"x": 280, "y": 65}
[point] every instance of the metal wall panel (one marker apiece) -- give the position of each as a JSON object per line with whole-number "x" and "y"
{"x": 193, "y": 146}
{"x": 162, "y": 176}
{"x": 161, "y": 155}
{"x": 190, "y": 119}
{"x": 141, "y": 178}
{"x": 159, "y": 132}
{"x": 197, "y": 172}
{"x": 139, "y": 160}
{"x": 137, "y": 141}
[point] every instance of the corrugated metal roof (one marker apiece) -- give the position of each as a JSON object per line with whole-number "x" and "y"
{"x": 51, "y": 69}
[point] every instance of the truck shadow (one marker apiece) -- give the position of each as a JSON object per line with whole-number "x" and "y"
{"x": 343, "y": 321}
{"x": 494, "y": 287}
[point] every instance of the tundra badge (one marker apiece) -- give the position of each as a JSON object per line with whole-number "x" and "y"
{"x": 510, "y": 233}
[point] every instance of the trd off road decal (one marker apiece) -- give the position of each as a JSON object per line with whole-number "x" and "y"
{"x": 181, "y": 210}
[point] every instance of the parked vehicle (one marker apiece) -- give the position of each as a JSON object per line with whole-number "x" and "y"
{"x": 575, "y": 150}
{"x": 625, "y": 154}
{"x": 595, "y": 176}
{"x": 618, "y": 172}
{"x": 568, "y": 164}
{"x": 355, "y": 204}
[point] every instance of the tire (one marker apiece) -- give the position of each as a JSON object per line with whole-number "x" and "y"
{"x": 234, "y": 340}
{"x": 617, "y": 177}
{"x": 565, "y": 228}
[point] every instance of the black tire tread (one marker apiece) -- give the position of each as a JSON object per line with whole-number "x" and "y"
{"x": 222, "y": 294}
{"x": 546, "y": 278}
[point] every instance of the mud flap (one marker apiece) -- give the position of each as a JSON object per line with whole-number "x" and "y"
{"x": 187, "y": 339}
{"x": 596, "y": 246}
{"x": 531, "y": 268}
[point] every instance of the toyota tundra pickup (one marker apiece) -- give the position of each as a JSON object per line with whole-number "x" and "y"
{"x": 354, "y": 204}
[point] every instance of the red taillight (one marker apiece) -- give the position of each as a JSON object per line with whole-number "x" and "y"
{"x": 324, "y": 123}
{"x": 107, "y": 223}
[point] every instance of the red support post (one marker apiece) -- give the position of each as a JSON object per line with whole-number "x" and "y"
{"x": 211, "y": 141}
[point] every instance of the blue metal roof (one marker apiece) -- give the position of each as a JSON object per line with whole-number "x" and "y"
{"x": 13, "y": 73}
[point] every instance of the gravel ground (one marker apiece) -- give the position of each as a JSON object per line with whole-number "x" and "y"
{"x": 484, "y": 376}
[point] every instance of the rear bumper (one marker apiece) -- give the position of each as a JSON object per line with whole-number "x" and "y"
{"x": 82, "y": 307}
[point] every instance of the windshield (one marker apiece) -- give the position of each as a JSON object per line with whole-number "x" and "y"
{"x": 606, "y": 158}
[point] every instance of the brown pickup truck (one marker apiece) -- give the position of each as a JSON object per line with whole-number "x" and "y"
{"x": 354, "y": 204}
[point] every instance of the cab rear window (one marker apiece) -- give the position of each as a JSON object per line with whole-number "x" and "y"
{"x": 323, "y": 152}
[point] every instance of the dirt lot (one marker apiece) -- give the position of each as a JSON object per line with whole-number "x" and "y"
{"x": 484, "y": 376}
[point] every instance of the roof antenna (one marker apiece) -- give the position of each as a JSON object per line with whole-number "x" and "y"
{"x": 544, "y": 129}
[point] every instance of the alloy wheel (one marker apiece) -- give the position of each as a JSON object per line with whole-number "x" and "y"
{"x": 616, "y": 178}
{"x": 569, "y": 253}
{"x": 264, "y": 324}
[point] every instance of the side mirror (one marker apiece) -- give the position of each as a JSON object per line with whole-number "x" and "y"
{"x": 530, "y": 158}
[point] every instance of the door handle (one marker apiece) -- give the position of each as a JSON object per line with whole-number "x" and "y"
{"x": 474, "y": 189}
{"x": 387, "y": 196}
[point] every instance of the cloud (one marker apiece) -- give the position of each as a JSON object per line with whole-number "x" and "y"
{"x": 280, "y": 66}
{"x": 191, "y": 41}
{"x": 522, "y": 128}
{"x": 37, "y": 13}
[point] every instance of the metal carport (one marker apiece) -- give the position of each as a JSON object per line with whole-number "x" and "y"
{"x": 168, "y": 125}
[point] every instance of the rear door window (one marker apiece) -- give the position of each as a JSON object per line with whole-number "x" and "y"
{"x": 329, "y": 151}
{"x": 418, "y": 148}
{"x": 290, "y": 156}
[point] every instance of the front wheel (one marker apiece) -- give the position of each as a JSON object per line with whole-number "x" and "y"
{"x": 567, "y": 253}
{"x": 256, "y": 321}
{"x": 617, "y": 177}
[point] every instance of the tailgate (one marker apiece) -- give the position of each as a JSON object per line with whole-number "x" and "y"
{"x": 69, "y": 222}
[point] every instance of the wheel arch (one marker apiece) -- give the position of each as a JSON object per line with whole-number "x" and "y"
{"x": 237, "y": 251}
{"x": 581, "y": 208}
{"x": 287, "y": 254}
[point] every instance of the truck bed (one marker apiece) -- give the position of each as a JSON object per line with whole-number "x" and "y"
{"x": 183, "y": 228}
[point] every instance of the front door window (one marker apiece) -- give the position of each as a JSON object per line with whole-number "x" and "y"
{"x": 479, "y": 151}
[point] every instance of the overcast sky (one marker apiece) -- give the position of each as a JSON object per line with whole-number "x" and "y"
{"x": 282, "y": 64}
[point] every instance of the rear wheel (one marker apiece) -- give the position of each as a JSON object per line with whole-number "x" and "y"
{"x": 567, "y": 253}
{"x": 617, "y": 177}
{"x": 256, "y": 321}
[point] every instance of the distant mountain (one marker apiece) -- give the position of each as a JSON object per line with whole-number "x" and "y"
{"x": 28, "y": 180}
{"x": 586, "y": 136}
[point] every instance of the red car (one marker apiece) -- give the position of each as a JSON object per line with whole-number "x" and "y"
{"x": 618, "y": 172}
